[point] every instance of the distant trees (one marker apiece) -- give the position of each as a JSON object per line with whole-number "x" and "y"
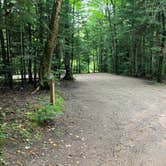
{"x": 25, "y": 27}
{"x": 128, "y": 38}
{"x": 116, "y": 36}
{"x": 17, "y": 38}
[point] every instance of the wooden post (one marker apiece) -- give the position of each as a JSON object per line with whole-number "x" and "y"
{"x": 52, "y": 92}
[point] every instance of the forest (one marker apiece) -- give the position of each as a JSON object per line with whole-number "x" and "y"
{"x": 55, "y": 55}
{"x": 111, "y": 36}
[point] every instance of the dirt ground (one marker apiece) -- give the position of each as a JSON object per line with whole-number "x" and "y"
{"x": 109, "y": 121}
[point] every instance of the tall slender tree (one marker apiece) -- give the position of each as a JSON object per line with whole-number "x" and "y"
{"x": 45, "y": 66}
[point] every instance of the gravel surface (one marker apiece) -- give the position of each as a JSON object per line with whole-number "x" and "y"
{"x": 123, "y": 121}
{"x": 110, "y": 121}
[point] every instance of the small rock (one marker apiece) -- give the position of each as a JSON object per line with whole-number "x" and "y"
{"x": 77, "y": 162}
{"x": 18, "y": 151}
{"x": 70, "y": 156}
{"x": 55, "y": 145}
{"x": 83, "y": 139}
{"x": 68, "y": 146}
{"x": 27, "y": 147}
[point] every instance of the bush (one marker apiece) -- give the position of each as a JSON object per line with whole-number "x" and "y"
{"x": 46, "y": 112}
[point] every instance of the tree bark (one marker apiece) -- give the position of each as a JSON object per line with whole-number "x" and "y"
{"x": 45, "y": 66}
{"x": 30, "y": 56}
{"x": 161, "y": 55}
{"x": 67, "y": 58}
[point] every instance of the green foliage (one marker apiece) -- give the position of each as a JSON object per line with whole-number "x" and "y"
{"x": 3, "y": 127}
{"x": 3, "y": 134}
{"x": 3, "y": 137}
{"x": 19, "y": 131}
{"x": 47, "y": 112}
{"x": 123, "y": 37}
{"x": 59, "y": 134}
{"x": 2, "y": 161}
{"x": 37, "y": 136}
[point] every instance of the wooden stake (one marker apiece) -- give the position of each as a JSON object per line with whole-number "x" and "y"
{"x": 52, "y": 92}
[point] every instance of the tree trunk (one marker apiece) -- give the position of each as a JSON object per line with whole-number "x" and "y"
{"x": 23, "y": 68}
{"x": 161, "y": 56}
{"x": 2, "y": 42}
{"x": 69, "y": 74}
{"x": 67, "y": 58}
{"x": 30, "y": 55}
{"x": 94, "y": 63}
{"x": 73, "y": 32}
{"x": 45, "y": 66}
{"x": 9, "y": 77}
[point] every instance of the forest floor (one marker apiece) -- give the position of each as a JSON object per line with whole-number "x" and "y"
{"x": 109, "y": 121}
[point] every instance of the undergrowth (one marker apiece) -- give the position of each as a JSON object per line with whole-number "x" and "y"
{"x": 21, "y": 126}
{"x": 44, "y": 112}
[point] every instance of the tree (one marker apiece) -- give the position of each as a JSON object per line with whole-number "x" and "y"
{"x": 116, "y": 36}
{"x": 45, "y": 66}
{"x": 67, "y": 39}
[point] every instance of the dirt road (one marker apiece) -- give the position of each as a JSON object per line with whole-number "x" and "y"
{"x": 111, "y": 121}
{"x": 117, "y": 121}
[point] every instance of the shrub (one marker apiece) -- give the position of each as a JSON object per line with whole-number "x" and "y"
{"x": 46, "y": 112}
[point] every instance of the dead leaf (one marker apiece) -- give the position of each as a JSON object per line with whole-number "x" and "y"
{"x": 18, "y": 151}
{"x": 31, "y": 153}
{"x": 55, "y": 145}
{"x": 51, "y": 164}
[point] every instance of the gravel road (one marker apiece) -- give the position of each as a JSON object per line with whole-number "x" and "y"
{"x": 109, "y": 121}
{"x": 118, "y": 121}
